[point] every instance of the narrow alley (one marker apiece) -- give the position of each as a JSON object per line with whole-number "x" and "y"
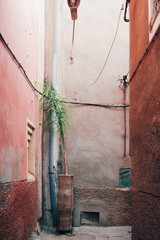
{"x": 79, "y": 119}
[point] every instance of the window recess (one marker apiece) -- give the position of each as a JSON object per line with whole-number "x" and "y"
{"x": 30, "y": 151}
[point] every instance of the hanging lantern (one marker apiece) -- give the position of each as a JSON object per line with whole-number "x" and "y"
{"x": 73, "y": 5}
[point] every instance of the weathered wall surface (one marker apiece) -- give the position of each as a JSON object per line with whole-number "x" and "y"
{"x": 18, "y": 102}
{"x": 19, "y": 209}
{"x": 94, "y": 142}
{"x": 95, "y": 139}
{"x": 144, "y": 127}
{"x": 139, "y": 36}
{"x": 112, "y": 204}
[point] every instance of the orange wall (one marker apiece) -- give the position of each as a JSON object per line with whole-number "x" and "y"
{"x": 139, "y": 31}
{"x": 144, "y": 125}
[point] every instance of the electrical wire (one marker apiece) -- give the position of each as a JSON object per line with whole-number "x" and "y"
{"x": 32, "y": 86}
{"x": 82, "y": 103}
{"x": 149, "y": 193}
{"x": 98, "y": 105}
{"x": 115, "y": 35}
{"x": 145, "y": 53}
{"x": 18, "y": 64}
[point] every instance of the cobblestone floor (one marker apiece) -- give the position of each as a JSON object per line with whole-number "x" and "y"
{"x": 88, "y": 233}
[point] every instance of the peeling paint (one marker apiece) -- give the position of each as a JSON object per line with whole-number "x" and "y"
{"x": 154, "y": 118}
{"x": 17, "y": 221}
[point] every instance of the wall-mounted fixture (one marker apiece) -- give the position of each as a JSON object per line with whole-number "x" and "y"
{"x": 73, "y": 5}
{"x": 125, "y": 12}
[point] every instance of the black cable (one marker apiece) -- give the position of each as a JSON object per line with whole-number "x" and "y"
{"x": 32, "y": 86}
{"x": 145, "y": 53}
{"x": 149, "y": 193}
{"x": 99, "y": 105}
{"x": 18, "y": 63}
{"x": 115, "y": 35}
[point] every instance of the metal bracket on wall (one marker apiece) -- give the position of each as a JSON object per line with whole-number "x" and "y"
{"x": 73, "y": 5}
{"x": 125, "y": 12}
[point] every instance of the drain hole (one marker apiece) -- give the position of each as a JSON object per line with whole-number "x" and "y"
{"x": 89, "y": 218}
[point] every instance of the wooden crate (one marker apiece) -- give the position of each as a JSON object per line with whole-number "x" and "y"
{"x": 65, "y": 203}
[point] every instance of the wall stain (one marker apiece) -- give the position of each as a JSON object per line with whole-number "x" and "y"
{"x": 11, "y": 168}
{"x": 154, "y": 118}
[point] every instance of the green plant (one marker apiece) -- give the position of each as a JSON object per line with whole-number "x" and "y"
{"x": 55, "y": 107}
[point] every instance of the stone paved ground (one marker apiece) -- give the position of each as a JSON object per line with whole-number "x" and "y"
{"x": 88, "y": 233}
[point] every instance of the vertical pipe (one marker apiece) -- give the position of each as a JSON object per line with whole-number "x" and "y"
{"x": 51, "y": 130}
{"x": 51, "y": 176}
{"x": 124, "y": 103}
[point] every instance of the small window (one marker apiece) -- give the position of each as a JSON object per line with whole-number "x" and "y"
{"x": 30, "y": 151}
{"x": 124, "y": 177}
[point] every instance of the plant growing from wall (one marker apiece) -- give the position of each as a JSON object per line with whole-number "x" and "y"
{"x": 56, "y": 112}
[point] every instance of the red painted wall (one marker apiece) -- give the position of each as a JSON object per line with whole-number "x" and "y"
{"x": 18, "y": 102}
{"x": 19, "y": 210}
{"x": 144, "y": 126}
{"x": 139, "y": 35}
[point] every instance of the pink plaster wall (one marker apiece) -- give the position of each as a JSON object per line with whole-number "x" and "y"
{"x": 19, "y": 27}
{"x": 18, "y": 102}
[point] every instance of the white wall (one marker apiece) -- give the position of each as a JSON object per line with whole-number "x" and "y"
{"x": 94, "y": 142}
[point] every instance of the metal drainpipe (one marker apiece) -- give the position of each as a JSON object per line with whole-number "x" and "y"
{"x": 51, "y": 130}
{"x": 125, "y": 114}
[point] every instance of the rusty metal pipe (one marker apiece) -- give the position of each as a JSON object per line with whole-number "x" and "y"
{"x": 125, "y": 130}
{"x": 125, "y": 114}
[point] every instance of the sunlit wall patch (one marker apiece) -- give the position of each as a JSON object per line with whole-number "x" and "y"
{"x": 154, "y": 16}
